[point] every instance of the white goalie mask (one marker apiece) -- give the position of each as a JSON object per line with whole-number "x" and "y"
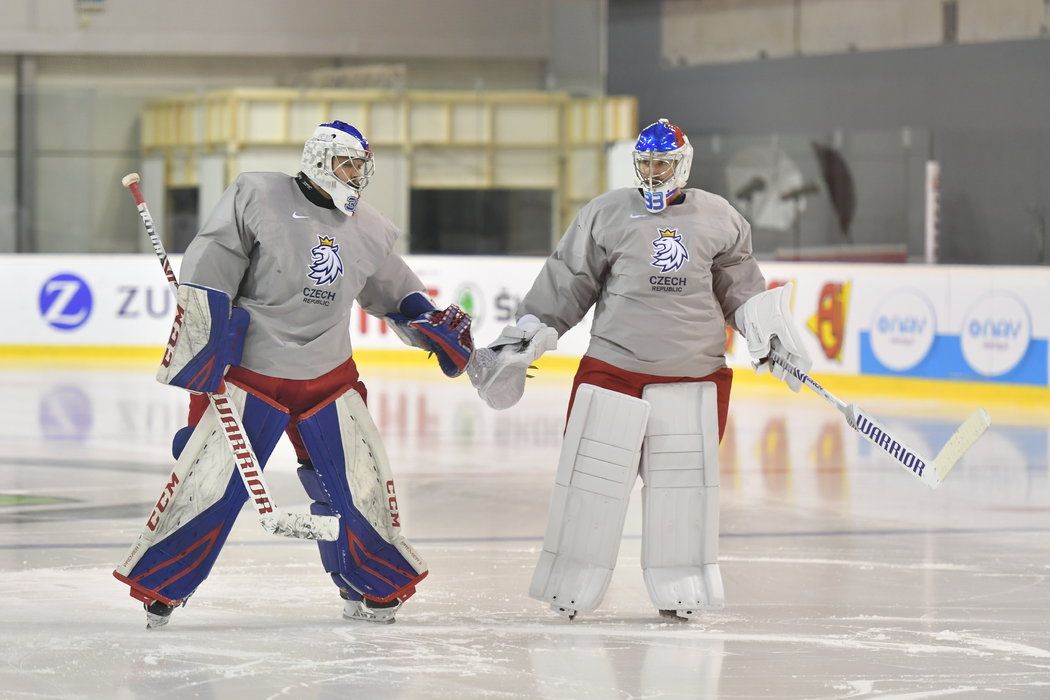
{"x": 663, "y": 158}
{"x": 339, "y": 161}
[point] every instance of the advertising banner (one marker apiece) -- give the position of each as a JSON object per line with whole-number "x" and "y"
{"x": 937, "y": 322}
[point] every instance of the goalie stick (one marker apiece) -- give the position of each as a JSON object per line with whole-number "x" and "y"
{"x": 273, "y": 520}
{"x": 930, "y": 472}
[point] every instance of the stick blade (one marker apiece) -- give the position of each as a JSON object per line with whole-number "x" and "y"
{"x": 302, "y": 526}
{"x": 961, "y": 441}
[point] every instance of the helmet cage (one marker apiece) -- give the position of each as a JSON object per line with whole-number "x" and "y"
{"x": 348, "y": 154}
{"x": 657, "y": 161}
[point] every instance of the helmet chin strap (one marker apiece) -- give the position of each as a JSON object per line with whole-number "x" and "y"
{"x": 344, "y": 197}
{"x": 656, "y": 200}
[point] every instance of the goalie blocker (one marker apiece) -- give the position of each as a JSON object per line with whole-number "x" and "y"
{"x": 206, "y": 338}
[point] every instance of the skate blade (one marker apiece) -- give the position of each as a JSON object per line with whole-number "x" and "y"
{"x": 564, "y": 612}
{"x": 156, "y": 621}
{"x": 368, "y": 618}
{"x": 679, "y": 615}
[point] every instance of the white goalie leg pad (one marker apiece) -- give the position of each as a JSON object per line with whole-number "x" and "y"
{"x": 680, "y": 498}
{"x": 596, "y": 471}
{"x": 199, "y": 503}
{"x": 351, "y": 478}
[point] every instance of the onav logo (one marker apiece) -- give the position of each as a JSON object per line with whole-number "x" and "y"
{"x": 903, "y": 329}
{"x": 995, "y": 334}
{"x": 65, "y": 301}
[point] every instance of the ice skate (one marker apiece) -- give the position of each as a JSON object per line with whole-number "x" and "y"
{"x": 563, "y": 611}
{"x": 680, "y": 615}
{"x": 371, "y": 611}
{"x": 158, "y": 614}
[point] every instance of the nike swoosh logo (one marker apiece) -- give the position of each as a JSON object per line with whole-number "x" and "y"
{"x": 639, "y": 216}
{"x": 297, "y": 215}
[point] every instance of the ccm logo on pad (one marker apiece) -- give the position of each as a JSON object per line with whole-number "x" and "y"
{"x": 392, "y": 504}
{"x": 162, "y": 502}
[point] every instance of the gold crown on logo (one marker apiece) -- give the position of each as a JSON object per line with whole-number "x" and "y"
{"x": 325, "y": 240}
{"x": 668, "y": 232}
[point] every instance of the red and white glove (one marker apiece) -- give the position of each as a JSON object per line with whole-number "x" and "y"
{"x": 445, "y": 333}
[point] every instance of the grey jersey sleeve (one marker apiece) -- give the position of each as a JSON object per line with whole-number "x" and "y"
{"x": 219, "y": 254}
{"x": 392, "y": 282}
{"x": 735, "y": 273}
{"x": 571, "y": 279}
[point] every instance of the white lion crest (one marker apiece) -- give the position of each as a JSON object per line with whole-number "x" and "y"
{"x": 325, "y": 265}
{"x": 669, "y": 253}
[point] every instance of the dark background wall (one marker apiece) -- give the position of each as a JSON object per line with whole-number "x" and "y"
{"x": 983, "y": 111}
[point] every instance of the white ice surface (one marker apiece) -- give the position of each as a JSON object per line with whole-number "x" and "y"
{"x": 845, "y": 577}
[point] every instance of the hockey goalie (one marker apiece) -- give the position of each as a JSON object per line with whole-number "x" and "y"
{"x": 264, "y": 316}
{"x": 666, "y": 268}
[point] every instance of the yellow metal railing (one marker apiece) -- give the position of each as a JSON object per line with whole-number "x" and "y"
{"x": 499, "y": 139}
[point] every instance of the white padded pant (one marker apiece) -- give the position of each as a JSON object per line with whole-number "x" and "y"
{"x": 596, "y": 472}
{"x": 680, "y": 498}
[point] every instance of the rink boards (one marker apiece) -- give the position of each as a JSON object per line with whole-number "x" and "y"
{"x": 982, "y": 325}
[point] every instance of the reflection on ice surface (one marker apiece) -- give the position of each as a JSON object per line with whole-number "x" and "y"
{"x": 844, "y": 576}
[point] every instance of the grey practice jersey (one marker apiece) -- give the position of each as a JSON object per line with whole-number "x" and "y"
{"x": 296, "y": 268}
{"x": 664, "y": 284}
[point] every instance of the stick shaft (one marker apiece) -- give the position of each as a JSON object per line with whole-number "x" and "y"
{"x": 151, "y": 231}
{"x": 930, "y": 472}
{"x": 811, "y": 383}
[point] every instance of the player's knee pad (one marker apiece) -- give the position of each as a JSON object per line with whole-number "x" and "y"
{"x": 349, "y": 476}
{"x": 596, "y": 472}
{"x": 680, "y": 497}
{"x": 194, "y": 514}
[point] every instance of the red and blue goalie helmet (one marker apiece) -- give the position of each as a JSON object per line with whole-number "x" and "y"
{"x": 662, "y": 160}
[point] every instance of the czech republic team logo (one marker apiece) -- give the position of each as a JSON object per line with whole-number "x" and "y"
{"x": 325, "y": 265}
{"x": 669, "y": 253}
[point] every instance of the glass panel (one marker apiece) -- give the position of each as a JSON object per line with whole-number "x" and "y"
{"x": 839, "y": 195}
{"x": 513, "y": 222}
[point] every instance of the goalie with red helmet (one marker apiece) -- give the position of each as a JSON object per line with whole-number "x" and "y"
{"x": 666, "y": 268}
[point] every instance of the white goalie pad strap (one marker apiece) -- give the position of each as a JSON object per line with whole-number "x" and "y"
{"x": 199, "y": 479}
{"x": 596, "y": 471}
{"x": 680, "y": 497}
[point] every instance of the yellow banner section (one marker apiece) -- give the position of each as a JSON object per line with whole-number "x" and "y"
{"x": 102, "y": 357}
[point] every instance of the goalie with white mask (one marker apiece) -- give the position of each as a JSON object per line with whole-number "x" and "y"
{"x": 277, "y": 267}
{"x": 666, "y": 268}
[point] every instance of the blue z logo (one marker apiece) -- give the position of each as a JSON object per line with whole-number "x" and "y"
{"x": 65, "y": 302}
